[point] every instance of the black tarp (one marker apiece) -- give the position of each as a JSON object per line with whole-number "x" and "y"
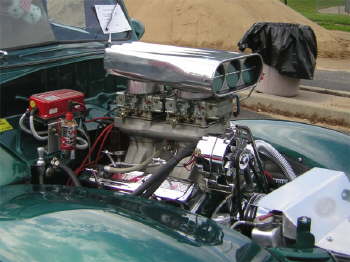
{"x": 290, "y": 48}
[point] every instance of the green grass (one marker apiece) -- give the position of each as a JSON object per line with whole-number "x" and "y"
{"x": 309, "y": 8}
{"x": 328, "y": 3}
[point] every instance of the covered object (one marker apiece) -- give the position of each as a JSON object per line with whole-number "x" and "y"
{"x": 290, "y": 48}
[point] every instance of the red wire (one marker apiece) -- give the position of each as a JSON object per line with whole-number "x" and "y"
{"x": 103, "y": 143}
{"x": 263, "y": 217}
{"x": 83, "y": 164}
{"x": 268, "y": 174}
{"x": 104, "y": 135}
{"x": 191, "y": 162}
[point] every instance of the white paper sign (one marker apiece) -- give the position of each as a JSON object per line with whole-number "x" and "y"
{"x": 118, "y": 24}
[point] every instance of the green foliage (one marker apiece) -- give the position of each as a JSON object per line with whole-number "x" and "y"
{"x": 309, "y": 8}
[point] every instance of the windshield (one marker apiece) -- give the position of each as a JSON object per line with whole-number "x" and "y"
{"x": 34, "y": 22}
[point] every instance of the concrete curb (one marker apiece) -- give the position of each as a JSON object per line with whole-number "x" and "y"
{"x": 333, "y": 69}
{"x": 325, "y": 91}
{"x": 308, "y": 104}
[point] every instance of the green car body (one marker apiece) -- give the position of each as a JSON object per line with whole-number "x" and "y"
{"x": 58, "y": 223}
{"x": 64, "y": 224}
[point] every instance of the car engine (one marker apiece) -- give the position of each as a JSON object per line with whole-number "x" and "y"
{"x": 169, "y": 137}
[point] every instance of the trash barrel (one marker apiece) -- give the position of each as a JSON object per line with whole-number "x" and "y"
{"x": 289, "y": 52}
{"x": 347, "y": 6}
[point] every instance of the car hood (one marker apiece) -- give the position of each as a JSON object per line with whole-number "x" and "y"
{"x": 53, "y": 223}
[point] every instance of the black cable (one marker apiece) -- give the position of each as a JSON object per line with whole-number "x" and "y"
{"x": 257, "y": 178}
{"x": 238, "y": 104}
{"x": 238, "y": 187}
{"x": 158, "y": 177}
{"x": 211, "y": 157}
{"x": 258, "y": 160}
{"x": 70, "y": 173}
{"x": 153, "y": 188}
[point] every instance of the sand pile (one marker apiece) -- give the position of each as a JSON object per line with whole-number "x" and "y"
{"x": 67, "y": 12}
{"x": 219, "y": 24}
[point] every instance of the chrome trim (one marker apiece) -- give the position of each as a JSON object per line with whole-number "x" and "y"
{"x": 188, "y": 69}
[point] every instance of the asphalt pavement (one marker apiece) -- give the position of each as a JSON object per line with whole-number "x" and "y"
{"x": 335, "y": 80}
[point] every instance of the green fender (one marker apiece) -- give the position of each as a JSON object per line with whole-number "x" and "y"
{"x": 12, "y": 169}
{"x": 316, "y": 146}
{"x": 55, "y": 223}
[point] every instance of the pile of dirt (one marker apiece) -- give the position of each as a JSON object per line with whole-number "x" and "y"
{"x": 220, "y": 24}
{"x": 67, "y": 12}
{"x": 344, "y": 40}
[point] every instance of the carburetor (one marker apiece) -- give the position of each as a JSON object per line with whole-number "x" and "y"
{"x": 183, "y": 93}
{"x": 150, "y": 101}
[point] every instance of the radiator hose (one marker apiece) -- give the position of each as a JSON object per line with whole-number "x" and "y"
{"x": 32, "y": 127}
{"x": 158, "y": 177}
{"x": 110, "y": 169}
{"x": 268, "y": 150}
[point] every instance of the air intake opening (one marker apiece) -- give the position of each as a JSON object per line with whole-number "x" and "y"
{"x": 219, "y": 79}
{"x": 251, "y": 70}
{"x": 233, "y": 74}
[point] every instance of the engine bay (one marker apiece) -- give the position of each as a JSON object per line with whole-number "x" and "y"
{"x": 169, "y": 137}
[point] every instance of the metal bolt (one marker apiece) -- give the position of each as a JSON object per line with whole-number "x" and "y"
{"x": 346, "y": 195}
{"x": 300, "y": 160}
{"x": 304, "y": 219}
{"x": 329, "y": 239}
{"x": 304, "y": 224}
{"x": 55, "y": 162}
